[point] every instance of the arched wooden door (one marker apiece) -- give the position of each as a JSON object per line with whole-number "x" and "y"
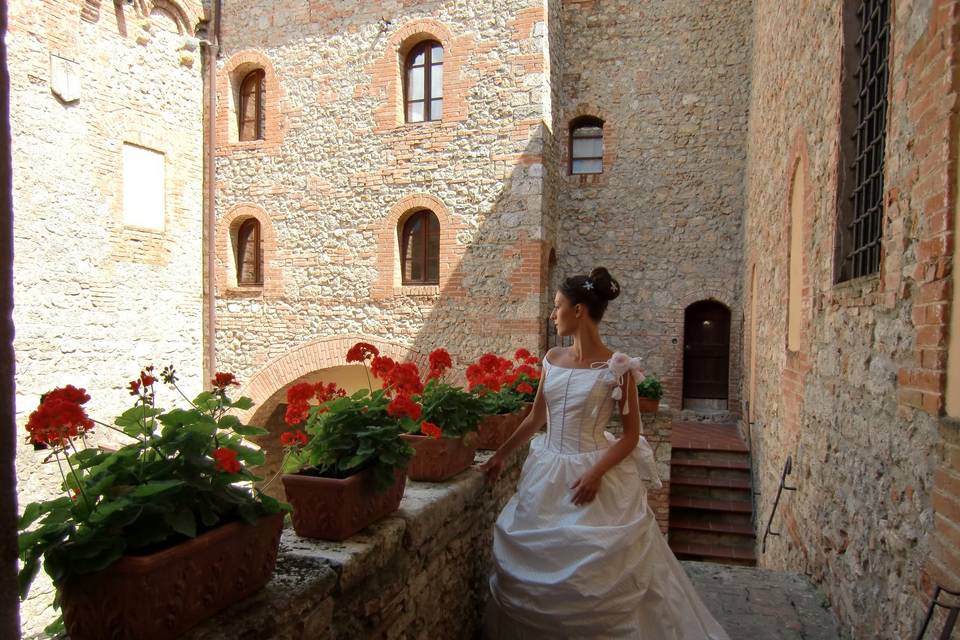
{"x": 706, "y": 351}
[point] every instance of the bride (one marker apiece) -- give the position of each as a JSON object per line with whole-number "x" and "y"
{"x": 577, "y": 551}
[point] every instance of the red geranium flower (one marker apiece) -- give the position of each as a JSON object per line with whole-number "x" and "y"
{"x": 432, "y": 430}
{"x": 381, "y": 366}
{"x": 403, "y": 406}
{"x": 223, "y": 380}
{"x": 226, "y": 460}
{"x": 134, "y": 387}
{"x": 521, "y": 354}
{"x": 293, "y": 438}
{"x": 440, "y": 360}
{"x": 523, "y": 387}
{"x": 361, "y": 351}
{"x": 404, "y": 379}
{"x": 59, "y": 417}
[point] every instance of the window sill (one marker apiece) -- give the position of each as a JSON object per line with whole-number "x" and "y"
{"x": 250, "y": 291}
{"x": 419, "y": 290}
{"x": 859, "y": 292}
{"x": 588, "y": 179}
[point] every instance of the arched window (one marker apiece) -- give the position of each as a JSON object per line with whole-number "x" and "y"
{"x": 420, "y": 248}
{"x": 251, "y": 112}
{"x": 249, "y": 254}
{"x": 586, "y": 146}
{"x": 423, "y": 82}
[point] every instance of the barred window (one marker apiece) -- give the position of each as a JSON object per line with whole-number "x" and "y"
{"x": 423, "y": 82}
{"x": 251, "y": 112}
{"x": 586, "y": 146}
{"x": 863, "y": 130}
{"x": 420, "y": 249}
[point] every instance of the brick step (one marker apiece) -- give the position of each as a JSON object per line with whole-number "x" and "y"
{"x": 719, "y": 483}
{"x": 735, "y": 506}
{"x": 733, "y": 540}
{"x": 679, "y": 471}
{"x": 702, "y": 492}
{"x": 742, "y": 465}
{"x": 687, "y": 550}
{"x": 709, "y": 457}
{"x": 732, "y": 518}
{"x": 710, "y": 525}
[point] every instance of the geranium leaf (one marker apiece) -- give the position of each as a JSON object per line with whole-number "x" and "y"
{"x": 182, "y": 521}
{"x": 250, "y": 431}
{"x": 243, "y": 403}
{"x": 152, "y": 488}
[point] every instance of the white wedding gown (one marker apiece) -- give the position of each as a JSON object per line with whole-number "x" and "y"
{"x": 600, "y": 570}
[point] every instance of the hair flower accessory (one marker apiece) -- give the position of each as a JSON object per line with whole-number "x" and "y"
{"x": 588, "y": 284}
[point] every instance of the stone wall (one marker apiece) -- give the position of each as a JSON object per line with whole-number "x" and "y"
{"x": 339, "y": 170}
{"x": 421, "y": 573}
{"x": 95, "y": 299}
{"x": 670, "y": 80}
{"x": 856, "y": 405}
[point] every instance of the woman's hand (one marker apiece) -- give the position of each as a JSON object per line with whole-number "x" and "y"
{"x": 586, "y": 487}
{"x": 492, "y": 468}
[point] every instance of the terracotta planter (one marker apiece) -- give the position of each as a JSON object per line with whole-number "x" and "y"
{"x": 159, "y": 596}
{"x": 648, "y": 405}
{"x": 495, "y": 430}
{"x": 438, "y": 460}
{"x": 335, "y": 509}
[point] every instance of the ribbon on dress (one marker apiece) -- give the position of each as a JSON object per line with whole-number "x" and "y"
{"x": 617, "y": 367}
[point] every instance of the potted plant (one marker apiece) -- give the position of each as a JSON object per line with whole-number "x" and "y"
{"x": 507, "y": 390}
{"x": 650, "y": 390}
{"x": 172, "y": 509}
{"x": 346, "y": 468}
{"x": 444, "y": 438}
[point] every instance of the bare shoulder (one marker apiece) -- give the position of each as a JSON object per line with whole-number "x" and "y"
{"x": 557, "y": 355}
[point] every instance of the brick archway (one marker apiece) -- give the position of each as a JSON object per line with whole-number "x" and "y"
{"x": 265, "y": 386}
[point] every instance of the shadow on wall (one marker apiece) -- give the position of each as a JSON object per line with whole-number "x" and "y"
{"x": 490, "y": 298}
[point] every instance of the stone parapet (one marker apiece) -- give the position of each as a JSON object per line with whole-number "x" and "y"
{"x": 420, "y": 573}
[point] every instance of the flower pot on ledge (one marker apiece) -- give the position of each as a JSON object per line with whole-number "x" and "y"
{"x": 497, "y": 429}
{"x": 334, "y": 508}
{"x": 648, "y": 405}
{"x": 437, "y": 460}
{"x": 162, "y": 595}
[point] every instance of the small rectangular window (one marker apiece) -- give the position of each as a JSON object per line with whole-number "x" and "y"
{"x": 143, "y": 188}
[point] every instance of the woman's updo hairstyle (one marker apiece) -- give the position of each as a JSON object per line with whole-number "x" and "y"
{"x": 594, "y": 291}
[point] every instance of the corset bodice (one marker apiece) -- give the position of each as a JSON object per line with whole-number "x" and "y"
{"x": 578, "y": 407}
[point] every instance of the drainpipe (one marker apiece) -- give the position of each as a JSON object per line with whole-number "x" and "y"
{"x": 211, "y": 48}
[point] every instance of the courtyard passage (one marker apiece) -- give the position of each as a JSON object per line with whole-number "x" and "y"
{"x": 758, "y": 604}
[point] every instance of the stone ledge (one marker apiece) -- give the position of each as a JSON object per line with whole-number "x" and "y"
{"x": 388, "y": 578}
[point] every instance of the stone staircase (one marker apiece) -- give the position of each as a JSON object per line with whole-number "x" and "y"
{"x": 711, "y": 506}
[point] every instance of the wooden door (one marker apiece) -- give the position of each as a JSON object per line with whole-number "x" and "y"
{"x": 706, "y": 350}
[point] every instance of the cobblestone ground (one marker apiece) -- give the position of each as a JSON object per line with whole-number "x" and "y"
{"x": 757, "y": 604}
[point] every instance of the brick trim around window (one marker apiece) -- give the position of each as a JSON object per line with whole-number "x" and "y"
{"x": 226, "y": 276}
{"x": 229, "y": 77}
{"x": 389, "y": 283}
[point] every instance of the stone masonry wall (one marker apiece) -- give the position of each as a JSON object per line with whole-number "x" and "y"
{"x": 420, "y": 573}
{"x": 857, "y": 405}
{"x": 96, "y": 300}
{"x": 339, "y": 170}
{"x": 670, "y": 80}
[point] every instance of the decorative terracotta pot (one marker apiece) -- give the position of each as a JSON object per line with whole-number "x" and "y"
{"x": 335, "y": 509}
{"x": 495, "y": 430}
{"x": 438, "y": 460}
{"x": 161, "y": 595}
{"x": 648, "y": 405}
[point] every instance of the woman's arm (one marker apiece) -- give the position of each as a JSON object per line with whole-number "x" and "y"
{"x": 530, "y": 425}
{"x": 586, "y": 487}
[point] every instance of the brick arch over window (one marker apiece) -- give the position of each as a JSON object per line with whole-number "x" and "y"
{"x": 185, "y": 15}
{"x": 580, "y": 113}
{"x": 386, "y": 73}
{"x": 389, "y": 282}
{"x": 226, "y": 277}
{"x": 799, "y": 158}
{"x": 673, "y": 377}
{"x": 276, "y": 376}
{"x": 229, "y": 78}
